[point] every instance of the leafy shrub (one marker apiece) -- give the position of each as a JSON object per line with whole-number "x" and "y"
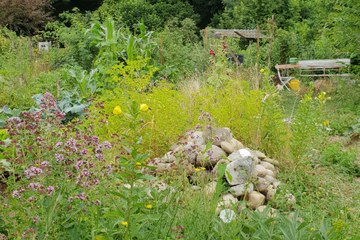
{"x": 343, "y": 160}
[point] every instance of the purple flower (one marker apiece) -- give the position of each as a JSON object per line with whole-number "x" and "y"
{"x": 95, "y": 139}
{"x": 59, "y": 157}
{"x": 16, "y": 194}
{"x": 107, "y": 145}
{"x": 84, "y": 151}
{"x": 50, "y": 190}
{"x": 79, "y": 164}
{"x": 58, "y": 144}
{"x": 97, "y": 202}
{"x": 32, "y": 172}
{"x": 85, "y": 172}
{"x": 99, "y": 156}
{"x": 96, "y": 181}
{"x": 45, "y": 163}
{"x": 81, "y": 196}
{"x": 34, "y": 186}
{"x": 71, "y": 143}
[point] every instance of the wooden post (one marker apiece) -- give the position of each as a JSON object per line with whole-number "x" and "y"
{"x": 272, "y": 31}
{"x": 257, "y": 78}
{"x": 161, "y": 50}
{"x": 206, "y": 36}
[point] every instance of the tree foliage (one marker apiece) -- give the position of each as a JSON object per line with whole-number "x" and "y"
{"x": 24, "y": 16}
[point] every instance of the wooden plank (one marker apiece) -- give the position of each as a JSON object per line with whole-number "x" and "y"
{"x": 286, "y": 66}
{"x": 324, "y": 63}
{"x": 326, "y": 75}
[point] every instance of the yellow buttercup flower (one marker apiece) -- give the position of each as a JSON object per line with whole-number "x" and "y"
{"x": 138, "y": 164}
{"x": 262, "y": 70}
{"x": 148, "y": 206}
{"x": 124, "y": 223}
{"x": 117, "y": 110}
{"x": 144, "y": 107}
{"x": 197, "y": 169}
{"x": 326, "y": 123}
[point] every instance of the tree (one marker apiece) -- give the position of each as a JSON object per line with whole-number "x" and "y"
{"x": 24, "y": 16}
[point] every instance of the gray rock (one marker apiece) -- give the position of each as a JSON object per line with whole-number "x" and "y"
{"x": 239, "y": 171}
{"x": 215, "y": 169}
{"x": 210, "y": 188}
{"x": 255, "y": 199}
{"x": 237, "y": 144}
{"x": 169, "y": 157}
{"x": 196, "y": 137}
{"x": 242, "y": 189}
{"x": 259, "y": 154}
{"x": 259, "y": 171}
{"x": 228, "y": 200}
{"x": 270, "y": 173}
{"x": 272, "y": 161}
{"x": 271, "y": 191}
{"x": 268, "y": 166}
{"x": 217, "y": 135}
{"x": 227, "y": 147}
{"x": 210, "y": 157}
{"x": 262, "y": 184}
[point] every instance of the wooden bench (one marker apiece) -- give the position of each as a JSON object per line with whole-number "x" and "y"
{"x": 314, "y": 68}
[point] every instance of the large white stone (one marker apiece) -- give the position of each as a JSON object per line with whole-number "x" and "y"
{"x": 239, "y": 171}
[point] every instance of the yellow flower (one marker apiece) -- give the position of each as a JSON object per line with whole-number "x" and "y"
{"x": 202, "y": 169}
{"x": 138, "y": 164}
{"x": 262, "y": 70}
{"x": 117, "y": 110}
{"x": 326, "y": 123}
{"x": 124, "y": 223}
{"x": 148, "y": 206}
{"x": 144, "y": 107}
{"x": 197, "y": 169}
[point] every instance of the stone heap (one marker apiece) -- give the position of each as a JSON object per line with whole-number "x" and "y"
{"x": 250, "y": 174}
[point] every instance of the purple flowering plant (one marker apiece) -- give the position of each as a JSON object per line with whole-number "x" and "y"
{"x": 55, "y": 169}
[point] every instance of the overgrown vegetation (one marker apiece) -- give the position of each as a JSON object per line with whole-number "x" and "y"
{"x": 121, "y": 84}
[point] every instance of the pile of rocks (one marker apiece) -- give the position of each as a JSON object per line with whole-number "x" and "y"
{"x": 250, "y": 174}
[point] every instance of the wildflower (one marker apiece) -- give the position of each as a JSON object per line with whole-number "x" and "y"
{"x": 202, "y": 169}
{"x": 117, "y": 110}
{"x": 34, "y": 186}
{"x": 326, "y": 123}
{"x": 107, "y": 145}
{"x": 148, "y": 206}
{"x": 138, "y": 164}
{"x": 124, "y": 223}
{"x": 58, "y": 144}
{"x": 197, "y": 170}
{"x": 50, "y": 190}
{"x": 144, "y": 107}
{"x": 212, "y": 52}
{"x": 84, "y": 151}
{"x": 16, "y": 194}
{"x": 36, "y": 220}
{"x": 81, "y": 196}
{"x": 32, "y": 172}
{"x": 44, "y": 164}
{"x": 262, "y": 70}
